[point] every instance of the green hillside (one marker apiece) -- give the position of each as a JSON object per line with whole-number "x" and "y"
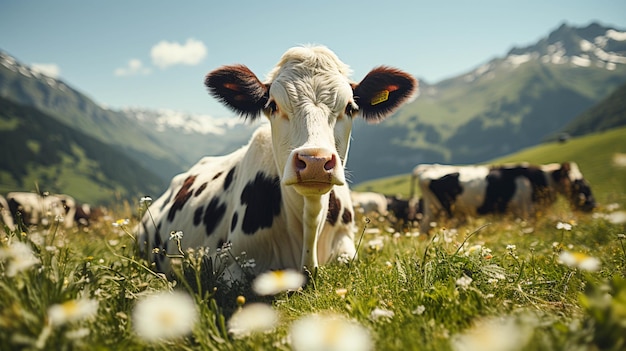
{"x": 594, "y": 153}
{"x": 610, "y": 113}
{"x": 37, "y": 151}
{"x": 53, "y": 97}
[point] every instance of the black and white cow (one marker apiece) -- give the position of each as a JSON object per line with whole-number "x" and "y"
{"x": 283, "y": 198}
{"x": 368, "y": 202}
{"x": 522, "y": 190}
{"x": 35, "y": 209}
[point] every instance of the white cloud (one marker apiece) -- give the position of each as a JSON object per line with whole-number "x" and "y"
{"x": 49, "y": 69}
{"x": 165, "y": 53}
{"x": 133, "y": 67}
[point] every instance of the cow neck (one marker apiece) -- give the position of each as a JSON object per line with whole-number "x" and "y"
{"x": 311, "y": 218}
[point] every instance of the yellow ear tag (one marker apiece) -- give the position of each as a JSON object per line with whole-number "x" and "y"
{"x": 382, "y": 96}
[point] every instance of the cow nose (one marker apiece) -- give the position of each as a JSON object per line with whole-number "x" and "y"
{"x": 311, "y": 164}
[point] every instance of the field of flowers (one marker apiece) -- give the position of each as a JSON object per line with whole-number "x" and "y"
{"x": 554, "y": 283}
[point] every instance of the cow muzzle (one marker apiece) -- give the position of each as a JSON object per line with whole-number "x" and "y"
{"x": 313, "y": 171}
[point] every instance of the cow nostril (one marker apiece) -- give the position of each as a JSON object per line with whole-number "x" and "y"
{"x": 330, "y": 164}
{"x": 300, "y": 165}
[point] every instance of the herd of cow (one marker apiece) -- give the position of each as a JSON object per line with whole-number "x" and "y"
{"x": 283, "y": 199}
{"x": 455, "y": 192}
{"x": 44, "y": 209}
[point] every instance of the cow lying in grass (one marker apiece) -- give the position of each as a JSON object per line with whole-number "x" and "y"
{"x": 283, "y": 198}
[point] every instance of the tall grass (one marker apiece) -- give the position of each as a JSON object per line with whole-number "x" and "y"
{"x": 409, "y": 291}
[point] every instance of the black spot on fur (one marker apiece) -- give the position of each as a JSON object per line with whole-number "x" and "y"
{"x": 501, "y": 187}
{"x": 181, "y": 198}
{"x": 346, "y": 217}
{"x": 229, "y": 178}
{"x": 169, "y": 195}
{"x": 197, "y": 215}
{"x": 263, "y": 199}
{"x": 334, "y": 207}
{"x": 213, "y": 215}
{"x": 200, "y": 189}
{"x": 217, "y": 175}
{"x": 233, "y": 223}
{"x": 446, "y": 189}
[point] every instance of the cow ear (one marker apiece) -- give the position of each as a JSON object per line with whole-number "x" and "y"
{"x": 382, "y": 91}
{"x": 239, "y": 89}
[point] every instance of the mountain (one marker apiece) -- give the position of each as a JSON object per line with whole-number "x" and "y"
{"x": 20, "y": 83}
{"x": 192, "y": 136}
{"x": 161, "y": 142}
{"x": 38, "y": 151}
{"x": 607, "y": 114}
{"x": 502, "y": 106}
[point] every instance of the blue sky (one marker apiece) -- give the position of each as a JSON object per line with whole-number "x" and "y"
{"x": 153, "y": 53}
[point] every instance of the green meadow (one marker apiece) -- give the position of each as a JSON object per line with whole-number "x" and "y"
{"x": 554, "y": 282}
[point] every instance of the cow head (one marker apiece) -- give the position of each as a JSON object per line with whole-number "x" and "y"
{"x": 572, "y": 184}
{"x": 310, "y": 103}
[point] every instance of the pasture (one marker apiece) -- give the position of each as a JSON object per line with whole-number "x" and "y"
{"x": 494, "y": 283}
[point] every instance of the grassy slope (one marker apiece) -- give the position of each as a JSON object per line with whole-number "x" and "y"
{"x": 594, "y": 154}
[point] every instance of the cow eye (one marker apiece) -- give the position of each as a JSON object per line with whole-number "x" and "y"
{"x": 351, "y": 109}
{"x": 271, "y": 107}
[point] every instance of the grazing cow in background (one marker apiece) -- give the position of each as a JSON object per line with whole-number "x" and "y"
{"x": 34, "y": 209}
{"x": 521, "y": 190}
{"x": 5, "y": 214}
{"x": 405, "y": 211}
{"x": 369, "y": 202}
{"x": 283, "y": 198}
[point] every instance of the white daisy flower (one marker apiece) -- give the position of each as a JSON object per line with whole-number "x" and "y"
{"x": 164, "y": 316}
{"x": 579, "y": 260}
{"x": 381, "y": 314}
{"x": 252, "y": 318}
{"x": 495, "y": 334}
{"x": 564, "y": 226}
{"x": 19, "y": 256}
{"x": 72, "y": 310}
{"x": 464, "y": 281}
{"x": 329, "y": 333}
{"x": 274, "y": 282}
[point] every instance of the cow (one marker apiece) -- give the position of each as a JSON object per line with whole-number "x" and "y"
{"x": 522, "y": 189}
{"x": 282, "y": 199}
{"x": 369, "y": 202}
{"x": 34, "y": 209}
{"x": 5, "y": 214}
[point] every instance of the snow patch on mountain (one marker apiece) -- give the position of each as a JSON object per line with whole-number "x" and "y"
{"x": 12, "y": 64}
{"x": 163, "y": 120}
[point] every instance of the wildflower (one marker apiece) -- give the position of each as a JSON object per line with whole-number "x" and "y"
{"x": 71, "y": 311}
{"x": 329, "y": 333}
{"x": 121, "y": 222}
{"x": 145, "y": 200}
{"x": 381, "y": 313}
{"x": 492, "y": 335}
{"x": 511, "y": 248}
{"x": 341, "y": 292}
{"x": 618, "y": 217}
{"x": 375, "y": 245}
{"x": 20, "y": 257}
{"x": 464, "y": 281}
{"x": 164, "y": 316}
{"x": 564, "y": 226}
{"x": 579, "y": 260}
{"x": 274, "y": 282}
{"x": 178, "y": 235}
{"x": 419, "y": 310}
{"x": 252, "y": 318}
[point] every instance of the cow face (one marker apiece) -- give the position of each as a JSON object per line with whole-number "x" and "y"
{"x": 575, "y": 187}
{"x": 310, "y": 103}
